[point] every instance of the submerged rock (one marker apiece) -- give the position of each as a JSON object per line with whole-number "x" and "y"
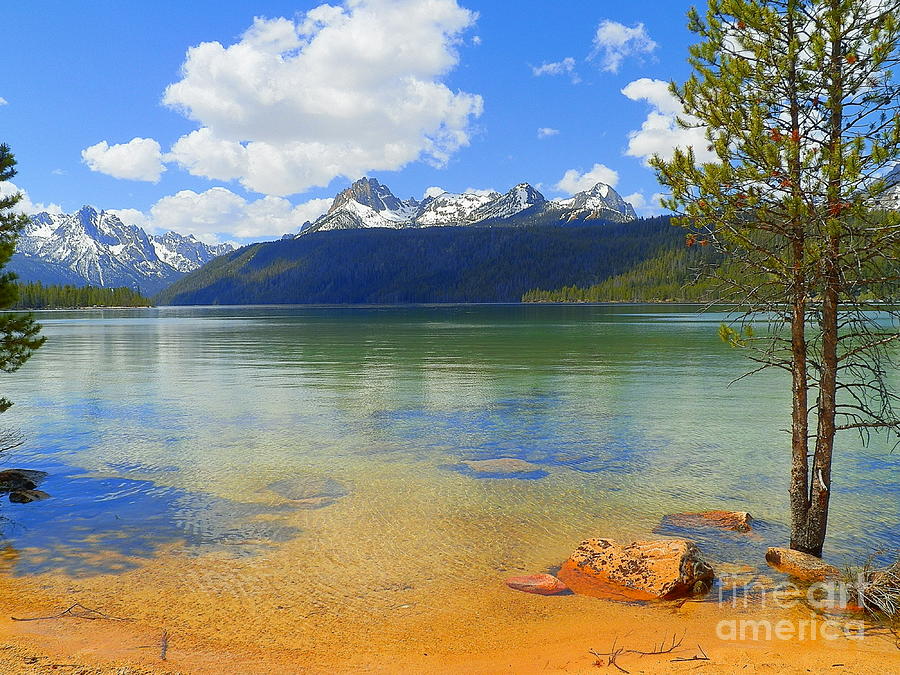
{"x": 734, "y": 521}
{"x": 801, "y": 565}
{"x": 540, "y": 584}
{"x": 20, "y": 479}
{"x": 641, "y": 570}
{"x": 27, "y": 496}
{"x": 504, "y": 466}
{"x": 311, "y": 492}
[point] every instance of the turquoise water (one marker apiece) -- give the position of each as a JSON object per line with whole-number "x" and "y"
{"x": 202, "y": 430}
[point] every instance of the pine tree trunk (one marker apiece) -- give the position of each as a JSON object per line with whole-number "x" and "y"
{"x": 799, "y": 480}
{"x": 808, "y": 533}
{"x": 799, "y": 485}
{"x": 820, "y": 489}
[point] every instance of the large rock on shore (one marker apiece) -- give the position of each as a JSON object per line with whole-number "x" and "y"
{"x": 734, "y": 521}
{"x": 801, "y": 565}
{"x": 540, "y": 584}
{"x": 641, "y": 570}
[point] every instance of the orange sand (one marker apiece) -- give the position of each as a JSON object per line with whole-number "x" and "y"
{"x": 479, "y": 627}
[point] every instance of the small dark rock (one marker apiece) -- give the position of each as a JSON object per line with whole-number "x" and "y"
{"x": 20, "y": 479}
{"x": 27, "y": 496}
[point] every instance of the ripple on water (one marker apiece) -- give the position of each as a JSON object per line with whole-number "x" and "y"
{"x": 95, "y": 525}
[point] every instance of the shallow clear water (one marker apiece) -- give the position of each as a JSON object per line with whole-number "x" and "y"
{"x": 200, "y": 428}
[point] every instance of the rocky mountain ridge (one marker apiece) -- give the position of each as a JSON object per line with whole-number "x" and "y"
{"x": 97, "y": 248}
{"x": 367, "y": 203}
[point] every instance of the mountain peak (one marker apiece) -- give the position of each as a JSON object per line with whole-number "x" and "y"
{"x": 600, "y": 190}
{"x": 87, "y": 212}
{"x": 368, "y": 192}
{"x": 599, "y": 202}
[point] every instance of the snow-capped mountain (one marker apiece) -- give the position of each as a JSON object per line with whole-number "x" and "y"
{"x": 96, "y": 247}
{"x": 891, "y": 197}
{"x": 601, "y": 201}
{"x": 521, "y": 198}
{"x": 367, "y": 203}
{"x": 453, "y": 209}
{"x": 186, "y": 253}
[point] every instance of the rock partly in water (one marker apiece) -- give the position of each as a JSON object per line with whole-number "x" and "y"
{"x": 311, "y": 492}
{"x": 540, "y": 584}
{"x": 503, "y": 467}
{"x": 20, "y": 479}
{"x": 641, "y": 570}
{"x": 734, "y": 521}
{"x": 27, "y": 496}
{"x": 801, "y": 565}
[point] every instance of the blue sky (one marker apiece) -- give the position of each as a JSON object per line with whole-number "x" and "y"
{"x": 297, "y": 98}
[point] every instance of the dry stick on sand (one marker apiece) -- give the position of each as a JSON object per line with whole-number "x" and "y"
{"x": 77, "y": 611}
{"x": 613, "y": 655}
{"x": 616, "y": 652}
{"x": 164, "y": 645}
{"x": 697, "y": 657}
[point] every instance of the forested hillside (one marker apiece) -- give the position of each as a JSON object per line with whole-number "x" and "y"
{"x": 670, "y": 276}
{"x": 449, "y": 264}
{"x": 38, "y": 296}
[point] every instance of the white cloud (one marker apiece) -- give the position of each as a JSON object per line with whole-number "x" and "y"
{"x": 660, "y": 133}
{"x": 567, "y": 65}
{"x": 643, "y": 206}
{"x": 574, "y": 181}
{"x": 218, "y": 214}
{"x": 614, "y": 42}
{"x": 547, "y": 132}
{"x": 656, "y": 93}
{"x": 341, "y": 92}
{"x": 476, "y": 40}
{"x": 25, "y": 205}
{"x": 564, "y": 67}
{"x": 139, "y": 159}
{"x": 433, "y": 192}
{"x": 3, "y": 101}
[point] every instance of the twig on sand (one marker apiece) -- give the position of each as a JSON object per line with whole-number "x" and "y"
{"x": 697, "y": 657}
{"x": 612, "y": 656}
{"x": 77, "y": 611}
{"x": 164, "y": 645}
{"x": 662, "y": 649}
{"x": 665, "y": 647}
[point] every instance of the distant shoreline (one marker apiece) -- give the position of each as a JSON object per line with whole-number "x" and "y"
{"x": 73, "y": 309}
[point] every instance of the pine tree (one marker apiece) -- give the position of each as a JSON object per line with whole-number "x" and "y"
{"x": 802, "y": 115}
{"x": 19, "y": 334}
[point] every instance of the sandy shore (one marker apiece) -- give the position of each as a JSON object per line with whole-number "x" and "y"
{"x": 480, "y": 627}
{"x": 398, "y": 584}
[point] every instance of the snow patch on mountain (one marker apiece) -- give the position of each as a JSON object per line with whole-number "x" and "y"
{"x": 452, "y": 209}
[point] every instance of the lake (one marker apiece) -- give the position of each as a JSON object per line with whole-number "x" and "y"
{"x": 319, "y": 454}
